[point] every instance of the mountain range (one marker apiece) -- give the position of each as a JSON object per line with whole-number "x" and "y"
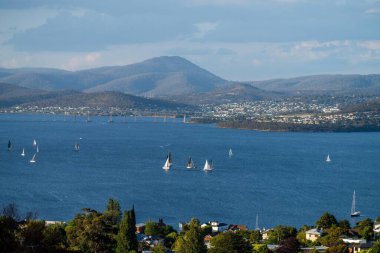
{"x": 167, "y": 78}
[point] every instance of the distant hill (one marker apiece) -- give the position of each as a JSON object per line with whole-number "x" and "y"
{"x": 161, "y": 76}
{"x": 232, "y": 93}
{"x": 108, "y": 99}
{"x": 323, "y": 84}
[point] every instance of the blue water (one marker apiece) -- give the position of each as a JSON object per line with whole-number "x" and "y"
{"x": 282, "y": 177}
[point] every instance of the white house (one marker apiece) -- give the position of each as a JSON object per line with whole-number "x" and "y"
{"x": 218, "y": 227}
{"x": 313, "y": 234}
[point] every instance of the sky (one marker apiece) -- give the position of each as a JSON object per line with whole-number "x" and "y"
{"x": 235, "y": 39}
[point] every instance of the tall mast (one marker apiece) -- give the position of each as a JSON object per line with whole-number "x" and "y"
{"x": 257, "y": 222}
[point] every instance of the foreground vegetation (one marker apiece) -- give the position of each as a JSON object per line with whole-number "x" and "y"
{"x": 114, "y": 231}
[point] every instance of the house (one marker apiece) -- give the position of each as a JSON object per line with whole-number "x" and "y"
{"x": 313, "y": 234}
{"x": 376, "y": 227}
{"x": 354, "y": 240}
{"x": 234, "y": 227}
{"x": 53, "y": 222}
{"x": 218, "y": 227}
{"x": 355, "y": 248}
{"x": 311, "y": 249}
{"x": 265, "y": 233}
{"x": 207, "y": 241}
{"x": 140, "y": 227}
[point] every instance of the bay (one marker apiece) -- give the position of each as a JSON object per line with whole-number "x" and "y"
{"x": 281, "y": 176}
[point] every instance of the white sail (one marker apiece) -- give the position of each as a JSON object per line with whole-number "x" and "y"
{"x": 33, "y": 159}
{"x": 110, "y": 120}
{"x": 190, "y": 164}
{"x": 208, "y": 166}
{"x": 37, "y": 149}
{"x": 167, "y": 164}
{"x": 230, "y": 154}
{"x": 328, "y": 159}
{"x": 76, "y": 147}
{"x": 34, "y": 142}
{"x": 23, "y": 152}
{"x": 184, "y": 118}
{"x": 354, "y": 213}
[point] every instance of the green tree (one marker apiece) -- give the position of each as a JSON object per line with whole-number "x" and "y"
{"x": 8, "y": 230}
{"x": 151, "y": 228}
{"x": 260, "y": 248}
{"x": 126, "y": 238}
{"x": 289, "y": 245}
{"x": 90, "y": 232}
{"x": 332, "y": 237}
{"x": 55, "y": 236}
{"x": 159, "y": 249}
{"x": 341, "y": 248}
{"x": 280, "y": 233}
{"x": 326, "y": 221}
{"x": 301, "y": 236}
{"x": 113, "y": 213}
{"x": 255, "y": 237}
{"x": 345, "y": 226}
{"x": 375, "y": 248}
{"x": 365, "y": 228}
{"x": 229, "y": 242}
{"x": 32, "y": 235}
{"x": 191, "y": 241}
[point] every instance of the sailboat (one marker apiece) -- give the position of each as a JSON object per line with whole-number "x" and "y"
{"x": 76, "y": 147}
{"x": 328, "y": 159}
{"x": 110, "y": 120}
{"x": 33, "y": 158}
{"x": 88, "y": 117}
{"x": 167, "y": 164}
{"x": 170, "y": 159}
{"x": 37, "y": 149}
{"x": 34, "y": 143}
{"x": 23, "y": 152}
{"x": 9, "y": 145}
{"x": 190, "y": 164}
{"x": 184, "y": 118}
{"x": 208, "y": 166}
{"x": 354, "y": 213}
{"x": 230, "y": 154}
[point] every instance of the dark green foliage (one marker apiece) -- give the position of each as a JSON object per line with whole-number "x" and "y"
{"x": 332, "y": 237}
{"x": 229, "y": 242}
{"x": 301, "y": 236}
{"x": 289, "y": 245}
{"x": 280, "y": 233}
{"x": 365, "y": 228}
{"x": 255, "y": 237}
{"x": 375, "y": 248}
{"x": 113, "y": 212}
{"x": 260, "y": 248}
{"x": 32, "y": 235}
{"x": 126, "y": 237}
{"x": 344, "y": 225}
{"x": 191, "y": 241}
{"x": 8, "y": 230}
{"x": 157, "y": 228}
{"x": 90, "y": 232}
{"x": 55, "y": 236}
{"x": 341, "y": 248}
{"x": 326, "y": 221}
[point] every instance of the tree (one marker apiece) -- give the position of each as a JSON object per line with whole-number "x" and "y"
{"x": 192, "y": 240}
{"x": 151, "y": 228}
{"x": 341, "y": 248}
{"x": 90, "y": 232}
{"x": 113, "y": 212}
{"x": 332, "y": 237}
{"x": 8, "y": 230}
{"x": 126, "y": 237}
{"x": 375, "y": 248}
{"x": 280, "y": 233}
{"x": 32, "y": 235}
{"x": 364, "y": 228}
{"x": 54, "y": 236}
{"x": 289, "y": 245}
{"x": 159, "y": 249}
{"x": 326, "y": 221}
{"x": 229, "y": 242}
{"x": 255, "y": 237}
{"x": 260, "y": 248}
{"x": 301, "y": 236}
{"x": 345, "y": 226}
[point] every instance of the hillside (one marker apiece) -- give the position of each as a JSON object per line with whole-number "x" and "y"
{"x": 232, "y": 93}
{"x": 161, "y": 76}
{"x": 323, "y": 84}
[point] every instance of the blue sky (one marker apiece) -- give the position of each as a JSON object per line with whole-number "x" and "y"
{"x": 235, "y": 39}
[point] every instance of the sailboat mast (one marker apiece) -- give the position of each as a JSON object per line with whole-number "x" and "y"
{"x": 353, "y": 204}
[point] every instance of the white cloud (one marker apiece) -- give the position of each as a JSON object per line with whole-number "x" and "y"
{"x": 82, "y": 61}
{"x": 204, "y": 28}
{"x": 373, "y": 11}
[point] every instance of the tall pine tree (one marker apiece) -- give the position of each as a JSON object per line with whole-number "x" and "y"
{"x": 126, "y": 237}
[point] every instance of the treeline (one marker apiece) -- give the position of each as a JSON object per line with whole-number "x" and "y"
{"x": 343, "y": 126}
{"x": 114, "y": 231}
